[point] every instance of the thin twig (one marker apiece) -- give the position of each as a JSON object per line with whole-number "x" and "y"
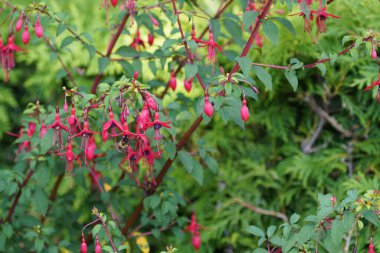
{"x": 307, "y": 145}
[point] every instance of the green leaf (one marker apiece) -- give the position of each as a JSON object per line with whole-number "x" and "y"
{"x": 286, "y": 23}
{"x": 322, "y": 68}
{"x": 170, "y": 149}
{"x": 271, "y": 230}
{"x": 234, "y": 30}
{"x": 271, "y": 31}
{"x": 294, "y": 218}
{"x": 337, "y": 232}
{"x": 168, "y": 43}
{"x": 96, "y": 230}
{"x": 291, "y": 76}
{"x": 197, "y": 172}
{"x": 248, "y": 18}
{"x": 61, "y": 28}
{"x": 187, "y": 160}
{"x": 256, "y": 231}
{"x": 370, "y": 216}
{"x": 41, "y": 201}
{"x": 333, "y": 57}
{"x": 245, "y": 65}
{"x": 264, "y": 76}
{"x": 305, "y": 234}
{"x": 190, "y": 70}
{"x": 155, "y": 201}
{"x": 103, "y": 63}
{"x": 304, "y": 8}
{"x": 212, "y": 164}
{"x": 67, "y": 41}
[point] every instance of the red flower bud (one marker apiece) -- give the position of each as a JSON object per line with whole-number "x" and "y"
{"x": 374, "y": 53}
{"x": 114, "y": 2}
{"x": 173, "y": 82}
{"x": 83, "y": 246}
{"x": 188, "y": 84}
{"x": 19, "y": 23}
{"x": 31, "y": 129}
{"x": 25, "y": 35}
{"x": 371, "y": 247}
{"x": 151, "y": 103}
{"x": 98, "y": 248}
{"x": 38, "y": 28}
{"x": 154, "y": 21}
{"x": 136, "y": 75}
{"x": 244, "y": 112}
{"x": 208, "y": 107}
{"x": 150, "y": 39}
{"x": 43, "y": 130}
{"x": 196, "y": 242}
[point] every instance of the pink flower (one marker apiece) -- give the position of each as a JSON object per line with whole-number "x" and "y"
{"x": 38, "y": 28}
{"x": 83, "y": 246}
{"x": 43, "y": 130}
{"x": 157, "y": 124}
{"x": 19, "y": 22}
{"x": 371, "y": 247}
{"x": 86, "y": 134}
{"x": 154, "y": 21}
{"x": 173, "y": 81}
{"x": 90, "y": 149}
{"x": 150, "y": 39}
{"x": 137, "y": 41}
{"x": 124, "y": 114}
{"x": 7, "y": 55}
{"x": 70, "y": 158}
{"x": 144, "y": 116}
{"x": 58, "y": 126}
{"x": 188, "y": 84}
{"x": 25, "y": 35}
{"x": 111, "y": 124}
{"x": 150, "y": 101}
{"x": 374, "y": 53}
{"x": 211, "y": 48}
{"x": 98, "y": 248}
{"x": 31, "y": 129}
{"x": 322, "y": 15}
{"x": 208, "y": 107}
{"x": 244, "y": 111}
{"x": 73, "y": 121}
{"x": 114, "y": 2}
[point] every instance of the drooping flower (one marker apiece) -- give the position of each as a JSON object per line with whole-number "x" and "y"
{"x": 157, "y": 124}
{"x": 114, "y": 2}
{"x": 208, "y": 109}
{"x": 374, "y": 53}
{"x": 43, "y": 130}
{"x": 31, "y": 129}
{"x": 143, "y": 117}
{"x": 322, "y": 15}
{"x": 83, "y": 246}
{"x": 86, "y": 134}
{"x": 111, "y": 124}
{"x": 150, "y": 101}
{"x": 154, "y": 21}
{"x": 58, "y": 126}
{"x": 73, "y": 121}
{"x": 211, "y": 48}
{"x": 371, "y": 248}
{"x": 98, "y": 248}
{"x": 188, "y": 84}
{"x": 38, "y": 28}
{"x": 137, "y": 41}
{"x": 124, "y": 114}
{"x": 244, "y": 111}
{"x": 196, "y": 241}
{"x": 19, "y": 22}
{"x": 7, "y": 55}
{"x": 25, "y": 34}
{"x": 70, "y": 158}
{"x": 150, "y": 39}
{"x": 90, "y": 149}
{"x": 173, "y": 81}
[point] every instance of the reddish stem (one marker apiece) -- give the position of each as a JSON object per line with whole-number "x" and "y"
{"x": 253, "y": 35}
{"x": 15, "y": 201}
{"x": 111, "y": 45}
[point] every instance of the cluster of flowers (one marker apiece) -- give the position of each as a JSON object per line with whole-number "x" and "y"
{"x": 137, "y": 42}
{"x": 135, "y": 145}
{"x": 7, "y": 50}
{"x": 321, "y": 15}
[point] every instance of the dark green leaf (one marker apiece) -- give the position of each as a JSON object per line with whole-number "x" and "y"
{"x": 264, "y": 76}
{"x": 248, "y": 18}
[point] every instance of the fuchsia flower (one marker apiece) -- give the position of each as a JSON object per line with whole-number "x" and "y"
{"x": 25, "y": 34}
{"x": 19, "y": 22}
{"x": 148, "y": 155}
{"x": 208, "y": 107}
{"x": 194, "y": 229}
{"x": 211, "y": 47}
{"x": 188, "y": 84}
{"x": 154, "y": 21}
{"x": 114, "y": 2}
{"x": 157, "y": 124}
{"x": 58, "y": 126}
{"x": 371, "y": 248}
{"x": 7, "y": 55}
{"x": 150, "y": 101}
{"x": 31, "y": 129}
{"x": 43, "y": 130}
{"x": 111, "y": 124}
{"x": 196, "y": 241}
{"x": 258, "y": 40}
{"x": 38, "y": 28}
{"x": 73, "y": 121}
{"x": 194, "y": 36}
{"x": 150, "y": 39}
{"x": 173, "y": 81}
{"x": 131, "y": 9}
{"x": 124, "y": 114}
{"x": 90, "y": 149}
{"x": 70, "y": 158}
{"x": 306, "y": 20}
{"x": 322, "y": 15}
{"x": 98, "y": 248}
{"x": 144, "y": 117}
{"x": 86, "y": 133}
{"x": 244, "y": 111}
{"x": 374, "y": 53}
{"x": 83, "y": 246}
{"x": 137, "y": 41}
